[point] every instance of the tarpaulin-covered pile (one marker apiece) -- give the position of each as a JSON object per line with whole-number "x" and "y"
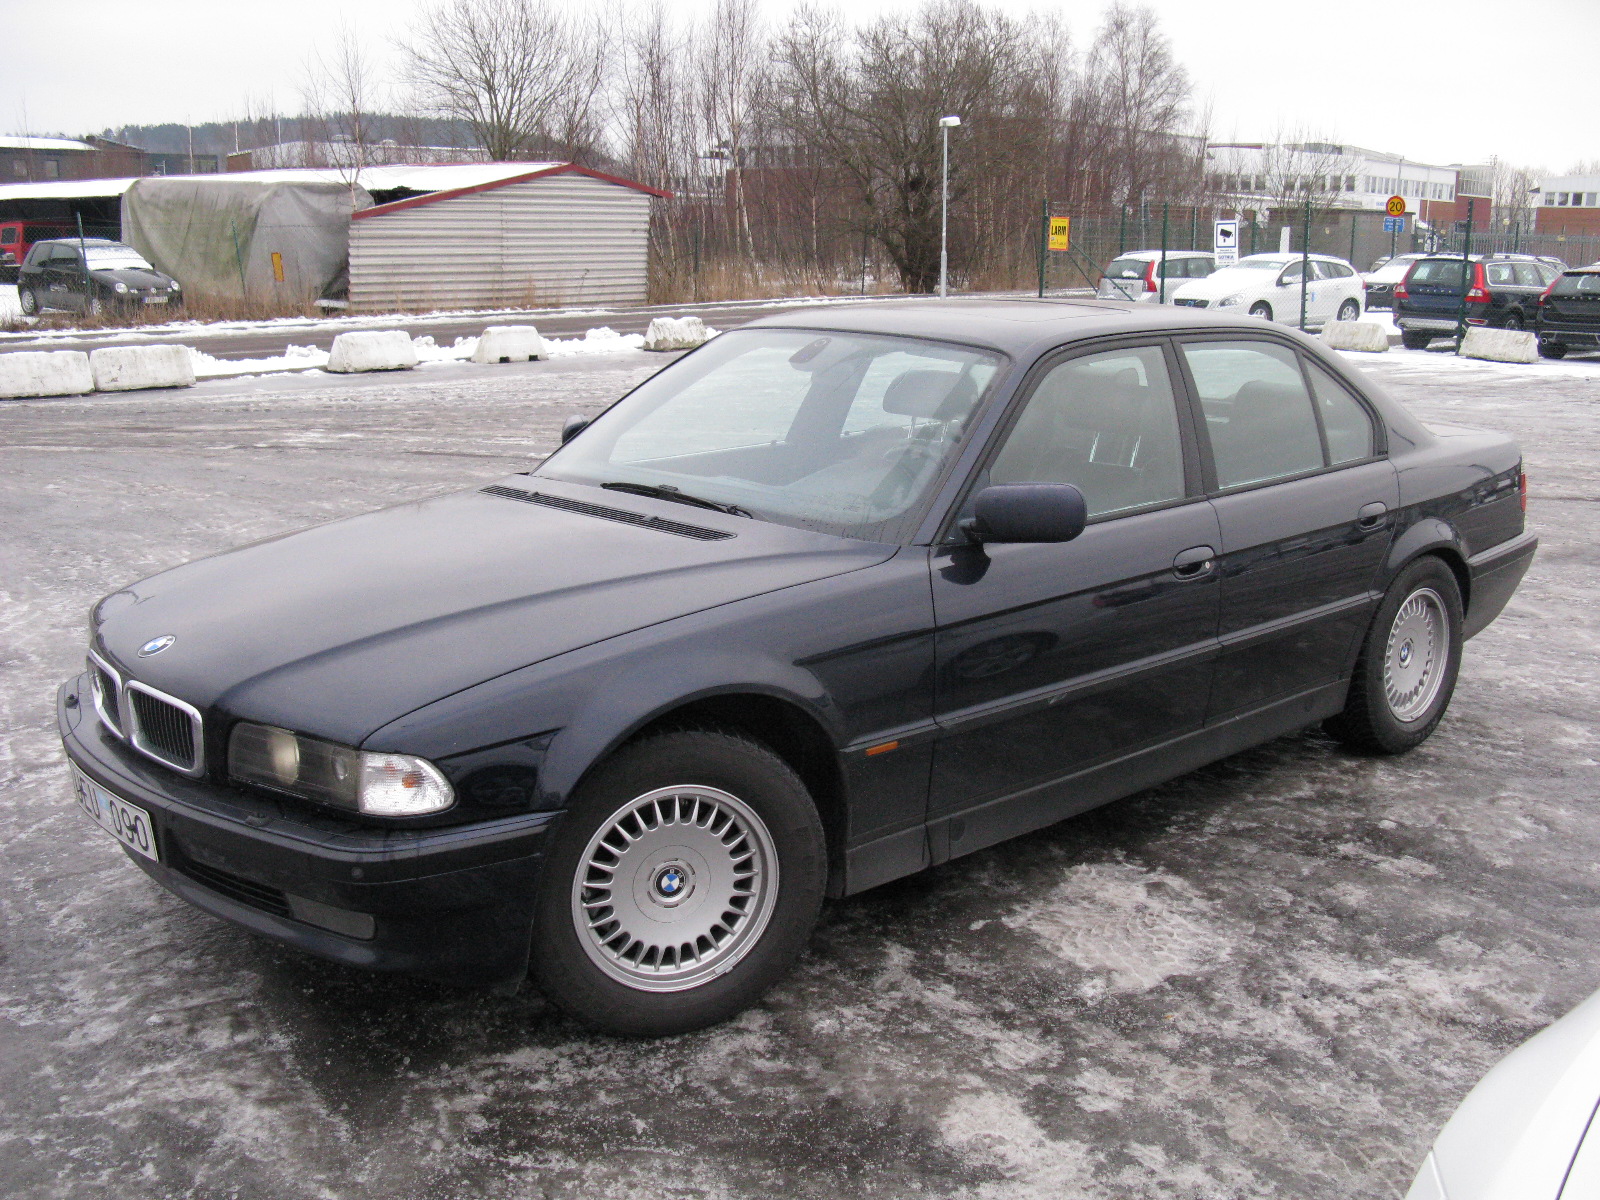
{"x": 218, "y": 235}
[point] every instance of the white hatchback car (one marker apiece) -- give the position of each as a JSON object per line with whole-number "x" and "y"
{"x": 1268, "y": 286}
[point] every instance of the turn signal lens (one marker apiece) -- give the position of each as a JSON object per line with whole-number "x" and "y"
{"x": 385, "y": 785}
{"x": 397, "y": 785}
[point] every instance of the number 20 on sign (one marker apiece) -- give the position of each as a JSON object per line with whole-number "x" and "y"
{"x": 1060, "y": 233}
{"x": 1396, "y": 206}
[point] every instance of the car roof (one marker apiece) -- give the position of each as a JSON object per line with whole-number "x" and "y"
{"x": 77, "y": 241}
{"x": 1170, "y": 254}
{"x": 1020, "y": 328}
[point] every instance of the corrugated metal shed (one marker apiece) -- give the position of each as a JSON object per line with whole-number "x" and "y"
{"x": 559, "y": 235}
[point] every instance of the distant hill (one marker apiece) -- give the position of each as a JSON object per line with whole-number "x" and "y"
{"x": 224, "y": 137}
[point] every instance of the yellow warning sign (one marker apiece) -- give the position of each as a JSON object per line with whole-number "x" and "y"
{"x": 1396, "y": 206}
{"x": 277, "y": 266}
{"x": 1060, "y": 233}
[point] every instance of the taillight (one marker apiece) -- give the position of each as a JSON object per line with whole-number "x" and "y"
{"x": 1480, "y": 286}
{"x": 1150, "y": 284}
{"x": 1522, "y": 489}
{"x": 1545, "y": 295}
{"x": 1400, "y": 292}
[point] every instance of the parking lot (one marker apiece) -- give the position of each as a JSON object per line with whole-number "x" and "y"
{"x": 1273, "y": 978}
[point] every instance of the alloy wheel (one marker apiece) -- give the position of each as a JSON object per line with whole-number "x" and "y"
{"x": 1414, "y": 657}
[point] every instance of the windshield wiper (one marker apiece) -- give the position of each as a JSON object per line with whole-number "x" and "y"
{"x": 666, "y": 491}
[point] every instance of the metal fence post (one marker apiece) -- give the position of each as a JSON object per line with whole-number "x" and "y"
{"x": 1353, "y": 215}
{"x": 1122, "y": 230}
{"x": 1044, "y": 239}
{"x": 1161, "y": 296}
{"x": 1466, "y": 275}
{"x": 1305, "y": 263}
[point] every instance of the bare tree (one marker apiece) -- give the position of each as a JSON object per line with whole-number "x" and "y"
{"x": 869, "y": 102}
{"x": 340, "y": 96}
{"x": 732, "y": 85}
{"x": 524, "y": 75}
{"x": 1143, "y": 96}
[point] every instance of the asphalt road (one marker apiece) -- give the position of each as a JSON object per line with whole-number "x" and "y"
{"x": 1271, "y": 978}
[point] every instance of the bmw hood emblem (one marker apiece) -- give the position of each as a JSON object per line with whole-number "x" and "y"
{"x": 156, "y": 645}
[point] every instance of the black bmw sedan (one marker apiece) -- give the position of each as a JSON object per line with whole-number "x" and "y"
{"x": 844, "y": 593}
{"x": 91, "y": 275}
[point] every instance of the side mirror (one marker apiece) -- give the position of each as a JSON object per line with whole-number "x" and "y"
{"x": 575, "y": 425}
{"x": 1027, "y": 512}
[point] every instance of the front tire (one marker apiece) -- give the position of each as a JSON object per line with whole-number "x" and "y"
{"x": 1552, "y": 350}
{"x": 1514, "y": 321}
{"x": 28, "y": 302}
{"x": 1407, "y": 670}
{"x": 682, "y": 884}
{"x": 1350, "y": 310}
{"x": 1261, "y": 309}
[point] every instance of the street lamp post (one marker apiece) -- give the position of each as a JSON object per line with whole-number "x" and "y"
{"x": 946, "y": 124}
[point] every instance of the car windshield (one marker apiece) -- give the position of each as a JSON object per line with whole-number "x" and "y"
{"x": 115, "y": 258}
{"x": 845, "y": 433}
{"x": 1392, "y": 270}
{"x": 1261, "y": 264}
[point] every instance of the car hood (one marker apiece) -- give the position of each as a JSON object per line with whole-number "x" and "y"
{"x": 134, "y": 277}
{"x": 340, "y": 629}
{"x": 1225, "y": 283}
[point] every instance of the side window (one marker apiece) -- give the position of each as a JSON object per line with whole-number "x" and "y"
{"x": 1106, "y": 423}
{"x": 1529, "y": 275}
{"x": 1500, "y": 274}
{"x": 1256, "y": 409}
{"x": 1291, "y": 274}
{"x": 1344, "y": 421}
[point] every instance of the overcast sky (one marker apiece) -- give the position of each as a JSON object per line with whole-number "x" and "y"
{"x": 1452, "y": 82}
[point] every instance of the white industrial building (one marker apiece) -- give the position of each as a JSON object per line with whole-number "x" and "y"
{"x": 1346, "y": 176}
{"x": 545, "y": 234}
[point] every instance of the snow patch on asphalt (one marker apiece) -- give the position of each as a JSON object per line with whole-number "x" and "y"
{"x": 1130, "y": 928}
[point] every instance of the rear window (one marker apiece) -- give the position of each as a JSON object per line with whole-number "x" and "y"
{"x": 1437, "y": 272}
{"x": 1127, "y": 268}
{"x": 1577, "y": 285}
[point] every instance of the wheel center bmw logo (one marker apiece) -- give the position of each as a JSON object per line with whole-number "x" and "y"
{"x": 670, "y": 881}
{"x": 156, "y": 645}
{"x": 1405, "y": 654}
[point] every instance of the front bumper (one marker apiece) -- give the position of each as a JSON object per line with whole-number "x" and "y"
{"x": 453, "y": 903}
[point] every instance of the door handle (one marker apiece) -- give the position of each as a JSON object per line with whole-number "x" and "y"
{"x": 1195, "y": 562}
{"x": 1372, "y": 515}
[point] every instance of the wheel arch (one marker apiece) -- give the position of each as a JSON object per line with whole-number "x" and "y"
{"x": 1431, "y": 537}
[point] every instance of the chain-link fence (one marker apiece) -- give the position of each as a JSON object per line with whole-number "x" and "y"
{"x": 1099, "y": 236}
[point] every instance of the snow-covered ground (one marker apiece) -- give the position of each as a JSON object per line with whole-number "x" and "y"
{"x": 1273, "y": 978}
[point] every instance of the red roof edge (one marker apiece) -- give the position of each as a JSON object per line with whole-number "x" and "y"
{"x": 378, "y": 210}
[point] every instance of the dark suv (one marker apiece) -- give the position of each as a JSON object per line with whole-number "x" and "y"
{"x": 1569, "y": 313}
{"x": 1502, "y": 291}
{"x": 90, "y": 275}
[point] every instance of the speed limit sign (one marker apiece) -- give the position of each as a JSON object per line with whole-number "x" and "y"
{"x": 1396, "y": 206}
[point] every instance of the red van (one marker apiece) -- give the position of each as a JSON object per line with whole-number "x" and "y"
{"x": 17, "y": 235}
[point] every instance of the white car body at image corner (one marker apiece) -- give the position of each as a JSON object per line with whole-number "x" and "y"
{"x": 1527, "y": 1130}
{"x": 1273, "y": 281}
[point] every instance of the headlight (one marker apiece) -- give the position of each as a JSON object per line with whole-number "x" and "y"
{"x": 121, "y": 287}
{"x": 1230, "y": 301}
{"x": 385, "y": 785}
{"x": 173, "y": 285}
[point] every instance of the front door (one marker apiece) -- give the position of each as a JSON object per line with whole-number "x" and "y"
{"x": 1052, "y": 658}
{"x": 1306, "y": 506}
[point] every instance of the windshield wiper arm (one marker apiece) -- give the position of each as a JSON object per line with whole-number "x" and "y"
{"x": 668, "y": 492}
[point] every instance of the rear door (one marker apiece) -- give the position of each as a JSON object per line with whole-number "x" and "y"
{"x": 1305, "y": 502}
{"x": 1052, "y": 658}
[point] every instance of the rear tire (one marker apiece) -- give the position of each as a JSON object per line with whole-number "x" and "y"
{"x": 1350, "y": 310}
{"x": 681, "y": 885}
{"x": 1261, "y": 309}
{"x": 28, "y": 302}
{"x": 1552, "y": 350}
{"x": 1413, "y": 340}
{"x": 1407, "y": 670}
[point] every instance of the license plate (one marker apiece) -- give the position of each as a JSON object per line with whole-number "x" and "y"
{"x": 155, "y": 299}
{"x": 128, "y": 823}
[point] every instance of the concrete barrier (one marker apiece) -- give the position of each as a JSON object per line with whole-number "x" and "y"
{"x": 676, "y": 333}
{"x": 1367, "y": 336}
{"x": 1500, "y": 345}
{"x": 45, "y": 373}
{"x": 509, "y": 344}
{"x": 372, "y": 350}
{"x": 131, "y": 368}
